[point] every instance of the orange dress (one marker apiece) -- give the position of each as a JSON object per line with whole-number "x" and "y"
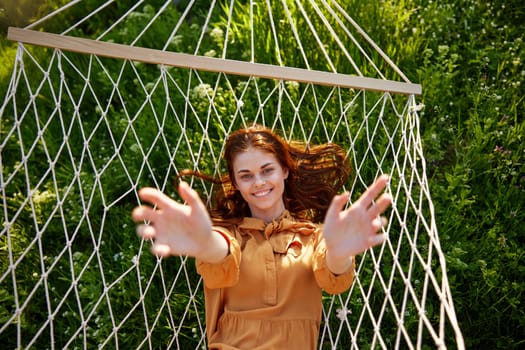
{"x": 266, "y": 294}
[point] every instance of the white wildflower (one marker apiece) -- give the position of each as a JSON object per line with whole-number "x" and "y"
{"x": 217, "y": 34}
{"x": 342, "y": 313}
{"x": 202, "y": 91}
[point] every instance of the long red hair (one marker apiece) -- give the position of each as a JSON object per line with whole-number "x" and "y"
{"x": 316, "y": 174}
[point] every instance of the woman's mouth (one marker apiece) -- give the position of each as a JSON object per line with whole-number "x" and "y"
{"x": 261, "y": 193}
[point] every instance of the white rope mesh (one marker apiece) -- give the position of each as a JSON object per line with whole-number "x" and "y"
{"x": 80, "y": 134}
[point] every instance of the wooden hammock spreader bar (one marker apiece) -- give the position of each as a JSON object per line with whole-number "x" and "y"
{"x": 228, "y": 66}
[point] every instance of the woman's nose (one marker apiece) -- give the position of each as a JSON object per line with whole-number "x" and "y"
{"x": 259, "y": 180}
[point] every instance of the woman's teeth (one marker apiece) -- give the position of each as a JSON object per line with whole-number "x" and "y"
{"x": 262, "y": 193}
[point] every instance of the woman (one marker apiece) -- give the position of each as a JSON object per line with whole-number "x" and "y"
{"x": 261, "y": 250}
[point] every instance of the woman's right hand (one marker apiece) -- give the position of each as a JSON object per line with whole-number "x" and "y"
{"x": 179, "y": 229}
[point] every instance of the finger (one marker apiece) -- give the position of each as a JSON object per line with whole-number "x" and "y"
{"x": 155, "y": 197}
{"x": 190, "y": 196}
{"x": 143, "y": 213}
{"x": 337, "y": 204}
{"x": 377, "y": 239}
{"x": 380, "y": 205}
{"x": 374, "y": 190}
{"x": 146, "y": 231}
{"x": 161, "y": 250}
{"x": 379, "y": 223}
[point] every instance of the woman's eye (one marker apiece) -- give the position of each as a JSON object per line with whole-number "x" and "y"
{"x": 268, "y": 171}
{"x": 246, "y": 177}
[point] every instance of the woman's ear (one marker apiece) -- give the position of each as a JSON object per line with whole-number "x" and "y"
{"x": 286, "y": 173}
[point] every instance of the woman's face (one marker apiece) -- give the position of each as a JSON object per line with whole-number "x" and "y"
{"x": 259, "y": 177}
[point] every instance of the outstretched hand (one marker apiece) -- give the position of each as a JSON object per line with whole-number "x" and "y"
{"x": 178, "y": 229}
{"x": 352, "y": 231}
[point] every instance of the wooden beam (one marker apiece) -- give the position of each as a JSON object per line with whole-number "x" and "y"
{"x": 228, "y": 66}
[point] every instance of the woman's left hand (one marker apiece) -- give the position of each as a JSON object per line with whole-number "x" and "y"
{"x": 352, "y": 231}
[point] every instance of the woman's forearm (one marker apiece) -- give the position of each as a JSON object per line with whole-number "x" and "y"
{"x": 215, "y": 250}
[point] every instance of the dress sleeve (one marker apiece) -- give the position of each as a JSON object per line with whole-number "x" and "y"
{"x": 225, "y": 273}
{"x": 326, "y": 279}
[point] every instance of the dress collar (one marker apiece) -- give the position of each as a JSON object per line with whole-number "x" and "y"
{"x": 284, "y": 223}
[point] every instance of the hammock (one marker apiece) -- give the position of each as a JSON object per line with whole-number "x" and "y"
{"x": 107, "y": 97}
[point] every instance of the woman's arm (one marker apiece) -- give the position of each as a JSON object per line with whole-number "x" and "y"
{"x": 179, "y": 229}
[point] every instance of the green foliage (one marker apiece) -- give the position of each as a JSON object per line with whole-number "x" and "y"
{"x": 469, "y": 56}
{"x": 471, "y": 68}
{"x": 22, "y": 12}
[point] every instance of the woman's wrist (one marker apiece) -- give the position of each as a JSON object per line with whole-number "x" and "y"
{"x": 338, "y": 265}
{"x": 216, "y": 249}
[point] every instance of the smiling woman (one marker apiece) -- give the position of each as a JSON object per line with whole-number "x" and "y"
{"x": 260, "y": 179}
{"x": 263, "y": 258}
